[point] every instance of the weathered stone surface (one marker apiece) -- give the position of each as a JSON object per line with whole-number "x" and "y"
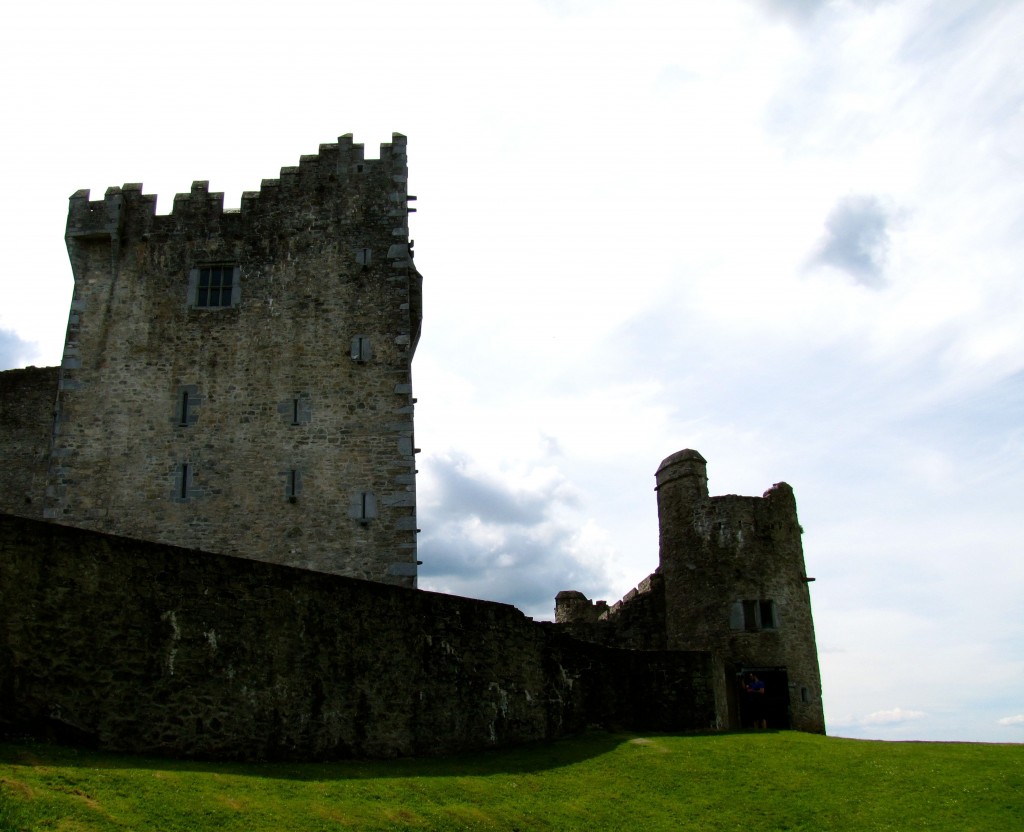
{"x": 145, "y": 647}
{"x": 724, "y": 563}
{"x": 724, "y": 559}
{"x": 27, "y": 400}
{"x": 637, "y": 622}
{"x": 297, "y": 394}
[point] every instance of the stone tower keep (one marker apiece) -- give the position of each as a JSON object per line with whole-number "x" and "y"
{"x": 731, "y": 581}
{"x": 735, "y": 584}
{"x": 240, "y": 381}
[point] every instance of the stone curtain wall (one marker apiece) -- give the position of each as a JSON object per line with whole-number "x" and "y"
{"x": 278, "y": 427}
{"x": 637, "y": 622}
{"x": 149, "y": 648}
{"x": 27, "y": 398}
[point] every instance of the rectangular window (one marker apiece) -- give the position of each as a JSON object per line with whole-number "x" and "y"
{"x": 187, "y": 405}
{"x": 297, "y": 410}
{"x": 182, "y": 483}
{"x": 184, "y": 487}
{"x": 214, "y": 286}
{"x": 753, "y": 615}
{"x": 360, "y": 350}
{"x": 363, "y": 506}
{"x": 750, "y": 615}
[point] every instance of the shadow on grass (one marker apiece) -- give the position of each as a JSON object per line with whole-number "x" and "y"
{"x": 525, "y": 759}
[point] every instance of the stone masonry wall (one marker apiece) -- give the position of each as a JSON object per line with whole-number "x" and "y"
{"x": 637, "y": 622}
{"x": 736, "y": 584}
{"x": 27, "y": 399}
{"x": 279, "y": 426}
{"x": 150, "y": 648}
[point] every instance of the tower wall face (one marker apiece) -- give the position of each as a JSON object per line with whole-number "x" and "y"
{"x": 735, "y": 582}
{"x": 26, "y": 423}
{"x": 270, "y": 416}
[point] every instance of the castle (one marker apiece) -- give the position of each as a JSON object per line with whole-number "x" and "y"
{"x": 233, "y": 415}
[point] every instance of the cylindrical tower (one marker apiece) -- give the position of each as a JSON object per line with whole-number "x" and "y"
{"x": 682, "y": 488}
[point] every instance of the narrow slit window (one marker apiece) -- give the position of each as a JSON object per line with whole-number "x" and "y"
{"x": 361, "y": 351}
{"x": 183, "y": 493}
{"x": 187, "y": 403}
{"x": 363, "y": 506}
{"x": 293, "y": 484}
{"x": 296, "y": 410}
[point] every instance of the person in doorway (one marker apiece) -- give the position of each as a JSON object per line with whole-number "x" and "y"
{"x": 754, "y": 689}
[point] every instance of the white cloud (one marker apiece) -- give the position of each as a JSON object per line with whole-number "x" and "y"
{"x": 889, "y": 717}
{"x": 805, "y": 11}
{"x": 857, "y": 239}
{"x": 14, "y": 351}
{"x": 892, "y": 716}
{"x": 1012, "y": 720}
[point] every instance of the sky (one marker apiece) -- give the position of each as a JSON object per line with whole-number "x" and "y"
{"x": 788, "y": 234}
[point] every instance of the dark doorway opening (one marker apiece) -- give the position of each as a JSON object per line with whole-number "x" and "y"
{"x": 774, "y": 705}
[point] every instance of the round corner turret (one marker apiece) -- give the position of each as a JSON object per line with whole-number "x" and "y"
{"x": 685, "y": 455}
{"x": 687, "y": 470}
{"x": 572, "y": 606}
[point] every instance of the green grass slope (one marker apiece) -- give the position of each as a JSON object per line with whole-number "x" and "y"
{"x": 766, "y": 781}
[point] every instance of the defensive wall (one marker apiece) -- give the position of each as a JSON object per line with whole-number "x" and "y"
{"x": 137, "y": 646}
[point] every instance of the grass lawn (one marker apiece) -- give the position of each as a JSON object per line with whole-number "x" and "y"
{"x": 749, "y": 782}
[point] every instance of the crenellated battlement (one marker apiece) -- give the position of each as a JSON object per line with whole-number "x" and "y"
{"x": 338, "y": 168}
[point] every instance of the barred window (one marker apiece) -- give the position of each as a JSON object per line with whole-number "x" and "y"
{"x": 214, "y": 286}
